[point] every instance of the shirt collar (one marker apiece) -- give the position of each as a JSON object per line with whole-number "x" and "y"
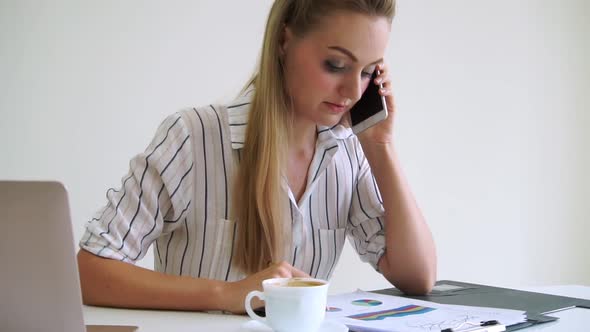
{"x": 238, "y": 110}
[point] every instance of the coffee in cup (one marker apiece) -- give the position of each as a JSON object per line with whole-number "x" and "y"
{"x": 297, "y": 282}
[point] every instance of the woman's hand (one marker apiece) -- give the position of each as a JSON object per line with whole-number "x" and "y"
{"x": 382, "y": 132}
{"x": 236, "y": 291}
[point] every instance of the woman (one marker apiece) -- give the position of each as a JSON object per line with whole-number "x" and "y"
{"x": 270, "y": 185}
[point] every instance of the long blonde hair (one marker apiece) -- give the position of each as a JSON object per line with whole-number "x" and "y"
{"x": 258, "y": 194}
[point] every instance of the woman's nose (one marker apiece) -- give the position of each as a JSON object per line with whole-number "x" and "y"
{"x": 352, "y": 89}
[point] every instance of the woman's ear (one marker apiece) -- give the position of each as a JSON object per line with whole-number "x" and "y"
{"x": 286, "y": 38}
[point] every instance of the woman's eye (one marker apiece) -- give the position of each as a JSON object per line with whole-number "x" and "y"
{"x": 365, "y": 74}
{"x": 336, "y": 67}
{"x": 333, "y": 66}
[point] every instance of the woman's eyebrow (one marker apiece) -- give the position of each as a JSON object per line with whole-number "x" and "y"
{"x": 351, "y": 55}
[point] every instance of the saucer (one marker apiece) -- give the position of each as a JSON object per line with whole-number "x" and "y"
{"x": 327, "y": 326}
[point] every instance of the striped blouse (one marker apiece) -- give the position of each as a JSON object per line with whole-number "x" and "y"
{"x": 177, "y": 196}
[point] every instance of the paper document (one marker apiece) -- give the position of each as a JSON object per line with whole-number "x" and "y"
{"x": 364, "y": 311}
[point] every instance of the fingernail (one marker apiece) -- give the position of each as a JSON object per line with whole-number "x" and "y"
{"x": 378, "y": 80}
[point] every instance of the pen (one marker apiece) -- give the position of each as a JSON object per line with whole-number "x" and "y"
{"x": 488, "y": 326}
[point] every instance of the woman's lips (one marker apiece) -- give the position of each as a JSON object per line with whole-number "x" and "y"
{"x": 336, "y": 108}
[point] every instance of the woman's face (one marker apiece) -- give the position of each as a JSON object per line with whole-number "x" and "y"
{"x": 329, "y": 68}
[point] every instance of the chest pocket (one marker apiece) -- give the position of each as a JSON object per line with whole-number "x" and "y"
{"x": 328, "y": 247}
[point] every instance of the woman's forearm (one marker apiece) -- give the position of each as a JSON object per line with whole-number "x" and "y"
{"x": 112, "y": 283}
{"x": 410, "y": 258}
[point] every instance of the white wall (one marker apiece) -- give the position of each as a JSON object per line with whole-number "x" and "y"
{"x": 492, "y": 96}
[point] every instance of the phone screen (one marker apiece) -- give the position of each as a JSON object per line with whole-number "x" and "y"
{"x": 371, "y": 107}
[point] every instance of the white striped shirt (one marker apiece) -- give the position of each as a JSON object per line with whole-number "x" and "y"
{"x": 178, "y": 195}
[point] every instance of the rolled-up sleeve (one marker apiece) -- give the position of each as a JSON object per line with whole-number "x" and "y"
{"x": 155, "y": 193}
{"x": 365, "y": 224}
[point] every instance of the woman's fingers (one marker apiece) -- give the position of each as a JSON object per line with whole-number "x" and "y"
{"x": 286, "y": 270}
{"x": 298, "y": 273}
{"x": 254, "y": 282}
{"x": 383, "y": 79}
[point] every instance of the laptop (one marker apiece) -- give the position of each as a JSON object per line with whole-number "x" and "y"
{"x": 39, "y": 281}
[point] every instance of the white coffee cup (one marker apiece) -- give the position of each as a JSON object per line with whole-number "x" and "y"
{"x": 291, "y": 304}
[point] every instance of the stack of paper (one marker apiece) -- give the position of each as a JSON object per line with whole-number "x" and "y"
{"x": 364, "y": 311}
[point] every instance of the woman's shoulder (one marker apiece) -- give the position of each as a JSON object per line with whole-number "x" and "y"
{"x": 214, "y": 122}
{"x": 203, "y": 112}
{"x": 204, "y": 116}
{"x": 219, "y": 116}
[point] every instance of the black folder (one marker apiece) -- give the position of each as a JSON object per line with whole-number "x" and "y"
{"x": 536, "y": 305}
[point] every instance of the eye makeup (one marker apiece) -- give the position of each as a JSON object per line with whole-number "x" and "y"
{"x": 335, "y": 66}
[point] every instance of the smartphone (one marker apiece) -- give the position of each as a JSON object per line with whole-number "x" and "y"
{"x": 370, "y": 109}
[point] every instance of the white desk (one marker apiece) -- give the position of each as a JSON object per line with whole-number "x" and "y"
{"x": 572, "y": 320}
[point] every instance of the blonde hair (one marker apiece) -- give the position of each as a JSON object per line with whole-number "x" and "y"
{"x": 258, "y": 194}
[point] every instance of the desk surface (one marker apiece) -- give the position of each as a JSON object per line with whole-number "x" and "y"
{"x": 155, "y": 320}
